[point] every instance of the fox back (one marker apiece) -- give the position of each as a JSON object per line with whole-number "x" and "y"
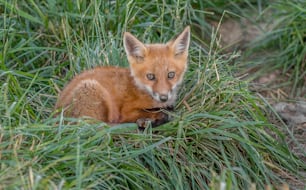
{"x": 119, "y": 95}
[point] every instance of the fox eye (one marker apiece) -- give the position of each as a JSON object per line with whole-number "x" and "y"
{"x": 171, "y": 75}
{"x": 150, "y": 76}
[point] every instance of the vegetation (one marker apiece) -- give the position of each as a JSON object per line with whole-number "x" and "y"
{"x": 284, "y": 42}
{"x": 219, "y": 134}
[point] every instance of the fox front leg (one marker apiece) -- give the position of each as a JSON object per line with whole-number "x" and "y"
{"x": 154, "y": 120}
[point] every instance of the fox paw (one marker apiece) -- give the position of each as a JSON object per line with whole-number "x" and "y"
{"x": 144, "y": 122}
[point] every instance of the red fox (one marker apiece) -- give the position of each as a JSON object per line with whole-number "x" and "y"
{"x": 130, "y": 95}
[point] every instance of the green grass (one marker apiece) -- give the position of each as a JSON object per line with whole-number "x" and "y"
{"x": 282, "y": 46}
{"x": 219, "y": 132}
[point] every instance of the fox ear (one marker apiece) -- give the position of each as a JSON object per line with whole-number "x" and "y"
{"x": 133, "y": 47}
{"x": 180, "y": 44}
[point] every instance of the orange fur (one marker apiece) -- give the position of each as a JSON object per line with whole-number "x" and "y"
{"x": 120, "y": 95}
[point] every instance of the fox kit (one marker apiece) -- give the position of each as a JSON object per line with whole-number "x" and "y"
{"x": 122, "y": 95}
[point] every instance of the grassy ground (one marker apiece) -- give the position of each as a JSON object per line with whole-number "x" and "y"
{"x": 219, "y": 134}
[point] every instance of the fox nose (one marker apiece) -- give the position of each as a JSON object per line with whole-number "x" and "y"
{"x": 163, "y": 98}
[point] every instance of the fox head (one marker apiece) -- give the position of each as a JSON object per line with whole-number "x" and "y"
{"x": 158, "y": 68}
